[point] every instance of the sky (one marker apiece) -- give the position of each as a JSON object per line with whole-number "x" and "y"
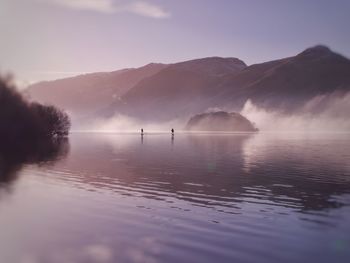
{"x": 50, "y": 39}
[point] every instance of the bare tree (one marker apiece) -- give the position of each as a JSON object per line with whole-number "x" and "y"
{"x": 20, "y": 120}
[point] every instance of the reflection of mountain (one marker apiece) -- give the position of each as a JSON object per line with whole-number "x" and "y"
{"x": 163, "y": 92}
{"x": 13, "y": 157}
{"x": 304, "y": 171}
{"x": 219, "y": 172}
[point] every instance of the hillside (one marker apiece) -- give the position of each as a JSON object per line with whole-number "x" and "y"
{"x": 177, "y": 90}
{"x": 287, "y": 84}
{"x": 85, "y": 94}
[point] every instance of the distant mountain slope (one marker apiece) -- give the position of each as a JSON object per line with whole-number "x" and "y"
{"x": 177, "y": 89}
{"x": 289, "y": 83}
{"x": 85, "y": 94}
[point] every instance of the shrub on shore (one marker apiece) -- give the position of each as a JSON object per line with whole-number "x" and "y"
{"x": 22, "y": 120}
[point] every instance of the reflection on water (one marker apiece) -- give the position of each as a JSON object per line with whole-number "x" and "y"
{"x": 13, "y": 157}
{"x": 187, "y": 198}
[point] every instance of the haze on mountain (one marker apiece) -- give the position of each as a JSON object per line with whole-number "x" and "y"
{"x": 159, "y": 92}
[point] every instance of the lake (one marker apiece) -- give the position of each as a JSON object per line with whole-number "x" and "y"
{"x": 266, "y": 197}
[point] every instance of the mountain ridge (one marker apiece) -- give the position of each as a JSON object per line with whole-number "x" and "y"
{"x": 190, "y": 87}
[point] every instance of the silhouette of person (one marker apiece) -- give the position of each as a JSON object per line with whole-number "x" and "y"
{"x": 172, "y": 131}
{"x": 141, "y": 131}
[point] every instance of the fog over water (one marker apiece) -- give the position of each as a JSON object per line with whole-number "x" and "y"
{"x": 324, "y": 113}
{"x": 123, "y": 123}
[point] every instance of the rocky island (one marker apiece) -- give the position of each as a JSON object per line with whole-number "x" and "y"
{"x": 220, "y": 121}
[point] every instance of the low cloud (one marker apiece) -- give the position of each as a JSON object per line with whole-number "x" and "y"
{"x": 102, "y": 6}
{"x": 147, "y": 9}
{"x": 142, "y": 8}
{"x": 99, "y": 253}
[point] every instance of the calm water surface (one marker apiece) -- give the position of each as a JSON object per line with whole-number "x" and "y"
{"x": 193, "y": 198}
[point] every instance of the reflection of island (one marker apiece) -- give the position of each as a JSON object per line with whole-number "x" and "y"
{"x": 13, "y": 157}
{"x": 302, "y": 171}
{"x": 207, "y": 170}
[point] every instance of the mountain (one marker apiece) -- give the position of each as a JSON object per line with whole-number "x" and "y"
{"x": 160, "y": 92}
{"x": 284, "y": 85}
{"x": 177, "y": 90}
{"x": 287, "y": 84}
{"x": 85, "y": 94}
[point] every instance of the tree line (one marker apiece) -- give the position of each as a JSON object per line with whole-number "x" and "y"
{"x": 21, "y": 120}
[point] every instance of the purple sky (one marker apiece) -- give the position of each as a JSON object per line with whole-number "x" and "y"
{"x": 49, "y": 39}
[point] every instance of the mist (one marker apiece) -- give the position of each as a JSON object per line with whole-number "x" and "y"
{"x": 126, "y": 124}
{"x": 323, "y": 113}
